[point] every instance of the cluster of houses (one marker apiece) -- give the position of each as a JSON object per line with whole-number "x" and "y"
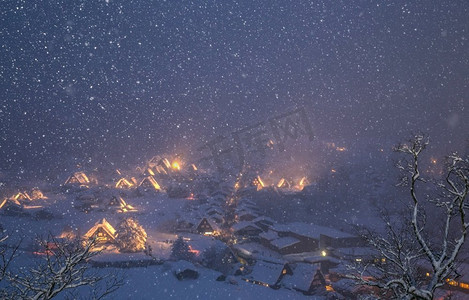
{"x": 18, "y": 203}
{"x": 297, "y": 256}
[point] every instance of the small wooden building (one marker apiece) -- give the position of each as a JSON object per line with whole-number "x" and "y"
{"x": 124, "y": 183}
{"x": 78, "y": 178}
{"x": 207, "y": 227}
{"x": 102, "y": 231}
{"x": 149, "y": 184}
{"x": 268, "y": 274}
{"x": 306, "y": 278}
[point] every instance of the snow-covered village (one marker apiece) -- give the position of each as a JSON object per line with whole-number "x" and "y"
{"x": 228, "y": 150}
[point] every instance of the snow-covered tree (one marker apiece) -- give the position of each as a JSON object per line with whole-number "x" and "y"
{"x": 64, "y": 269}
{"x": 219, "y": 258}
{"x": 416, "y": 261}
{"x": 181, "y": 250}
{"x": 7, "y": 254}
{"x": 131, "y": 237}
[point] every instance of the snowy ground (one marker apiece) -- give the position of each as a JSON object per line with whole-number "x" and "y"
{"x": 158, "y": 282}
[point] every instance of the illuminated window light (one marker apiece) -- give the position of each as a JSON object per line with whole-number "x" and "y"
{"x": 464, "y": 285}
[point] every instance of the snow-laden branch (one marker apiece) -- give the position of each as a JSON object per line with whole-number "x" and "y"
{"x": 65, "y": 268}
{"x": 409, "y": 251}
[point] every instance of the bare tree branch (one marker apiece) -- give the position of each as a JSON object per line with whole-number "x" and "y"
{"x": 407, "y": 247}
{"x": 64, "y": 268}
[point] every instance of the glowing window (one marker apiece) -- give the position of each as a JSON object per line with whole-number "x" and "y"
{"x": 464, "y": 285}
{"x": 452, "y": 282}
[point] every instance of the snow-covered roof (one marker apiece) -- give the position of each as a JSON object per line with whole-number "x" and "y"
{"x": 243, "y": 225}
{"x": 11, "y": 201}
{"x": 310, "y": 230}
{"x": 269, "y": 235}
{"x": 263, "y": 219}
{"x": 213, "y": 210}
{"x": 283, "y": 242}
{"x": 247, "y": 213}
{"x": 266, "y": 272}
{"x": 258, "y": 252}
{"x": 302, "y": 277}
{"x": 104, "y": 224}
{"x": 211, "y": 222}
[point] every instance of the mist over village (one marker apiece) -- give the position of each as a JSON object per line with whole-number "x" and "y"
{"x": 234, "y": 150}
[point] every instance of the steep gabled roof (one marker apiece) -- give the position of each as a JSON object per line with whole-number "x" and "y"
{"x": 205, "y": 222}
{"x": 267, "y": 272}
{"x": 105, "y": 226}
{"x": 78, "y": 177}
{"x": 124, "y": 183}
{"x": 303, "y": 276}
{"x": 22, "y": 196}
{"x": 150, "y": 182}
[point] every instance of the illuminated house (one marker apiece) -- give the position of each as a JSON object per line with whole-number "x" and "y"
{"x": 120, "y": 205}
{"x": 268, "y": 274}
{"x": 79, "y": 178}
{"x": 207, "y": 227}
{"x": 283, "y": 183}
{"x": 161, "y": 165}
{"x": 306, "y": 278}
{"x": 36, "y": 194}
{"x": 312, "y": 237}
{"x": 461, "y": 281}
{"x": 149, "y": 183}
{"x": 123, "y": 183}
{"x": 258, "y": 183}
{"x": 10, "y": 203}
{"x": 22, "y": 196}
{"x": 102, "y": 231}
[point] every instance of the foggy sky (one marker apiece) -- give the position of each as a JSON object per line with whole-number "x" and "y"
{"x": 124, "y": 80}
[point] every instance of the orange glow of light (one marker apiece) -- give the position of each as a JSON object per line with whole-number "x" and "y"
{"x": 281, "y": 182}
{"x": 150, "y": 171}
{"x": 149, "y": 181}
{"x": 452, "y": 282}
{"x": 333, "y": 171}
{"x": 270, "y": 143}
{"x": 191, "y": 197}
{"x": 302, "y": 181}
{"x": 329, "y": 288}
{"x": 341, "y": 149}
{"x": 175, "y": 165}
{"x": 118, "y": 172}
{"x": 195, "y": 251}
{"x": 124, "y": 183}
{"x": 434, "y": 161}
{"x": 260, "y": 181}
{"x": 194, "y": 167}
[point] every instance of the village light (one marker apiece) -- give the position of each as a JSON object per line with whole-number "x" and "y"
{"x": 323, "y": 253}
{"x": 175, "y": 165}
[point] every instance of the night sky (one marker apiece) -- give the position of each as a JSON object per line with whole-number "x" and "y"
{"x": 87, "y": 81}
